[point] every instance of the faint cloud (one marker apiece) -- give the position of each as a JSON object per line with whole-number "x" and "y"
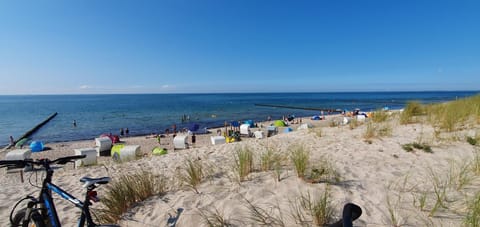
{"x": 166, "y": 86}
{"x": 85, "y": 87}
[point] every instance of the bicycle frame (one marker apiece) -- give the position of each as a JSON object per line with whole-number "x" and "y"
{"x": 47, "y": 200}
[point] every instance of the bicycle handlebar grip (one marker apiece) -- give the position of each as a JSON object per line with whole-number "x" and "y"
{"x": 64, "y": 160}
{"x": 13, "y": 163}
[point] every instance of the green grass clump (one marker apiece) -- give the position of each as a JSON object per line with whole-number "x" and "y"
{"x": 128, "y": 190}
{"x": 243, "y": 162}
{"x": 409, "y": 147}
{"x": 324, "y": 171}
{"x": 300, "y": 158}
{"x": 267, "y": 160}
{"x": 472, "y": 141}
{"x": 412, "y": 109}
{"x": 192, "y": 174}
{"x": 473, "y": 216}
{"x": 321, "y": 209}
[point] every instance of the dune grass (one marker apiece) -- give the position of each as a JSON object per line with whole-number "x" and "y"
{"x": 300, "y": 158}
{"x": 265, "y": 217}
{"x": 455, "y": 115}
{"x": 192, "y": 174}
{"x": 411, "y": 147}
{"x": 128, "y": 190}
{"x": 243, "y": 162}
{"x": 321, "y": 209}
{"x": 380, "y": 116}
{"x": 323, "y": 171}
{"x": 214, "y": 218}
{"x": 411, "y": 111}
{"x": 377, "y": 130}
{"x": 473, "y": 216}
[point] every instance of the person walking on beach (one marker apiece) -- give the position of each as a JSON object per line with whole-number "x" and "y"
{"x": 194, "y": 139}
{"x": 126, "y": 132}
{"x": 158, "y": 139}
{"x": 12, "y": 141}
{"x": 121, "y": 132}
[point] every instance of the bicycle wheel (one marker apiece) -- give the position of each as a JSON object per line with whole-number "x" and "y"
{"x": 35, "y": 219}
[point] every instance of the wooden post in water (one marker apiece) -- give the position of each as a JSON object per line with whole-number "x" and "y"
{"x": 31, "y": 131}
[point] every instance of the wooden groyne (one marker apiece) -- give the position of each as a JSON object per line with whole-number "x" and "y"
{"x": 300, "y": 108}
{"x": 34, "y": 129}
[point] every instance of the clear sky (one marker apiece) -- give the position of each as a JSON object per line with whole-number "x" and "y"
{"x": 114, "y": 46}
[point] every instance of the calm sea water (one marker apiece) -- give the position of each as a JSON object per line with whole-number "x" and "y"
{"x": 152, "y": 113}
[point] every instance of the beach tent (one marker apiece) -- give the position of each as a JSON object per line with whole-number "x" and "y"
{"x": 288, "y": 129}
{"x": 193, "y": 127}
{"x": 159, "y": 151}
{"x": 235, "y": 124}
{"x": 279, "y": 123}
{"x": 36, "y": 146}
{"x": 113, "y": 138}
{"x": 316, "y": 117}
{"x": 250, "y": 122}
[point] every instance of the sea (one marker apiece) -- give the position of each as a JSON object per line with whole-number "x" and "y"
{"x": 145, "y": 114}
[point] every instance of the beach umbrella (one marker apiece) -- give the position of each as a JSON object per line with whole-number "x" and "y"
{"x": 250, "y": 122}
{"x": 316, "y": 117}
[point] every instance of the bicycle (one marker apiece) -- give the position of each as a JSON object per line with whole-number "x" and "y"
{"x": 40, "y": 211}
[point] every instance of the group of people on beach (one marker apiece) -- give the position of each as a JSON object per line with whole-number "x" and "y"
{"x": 122, "y": 132}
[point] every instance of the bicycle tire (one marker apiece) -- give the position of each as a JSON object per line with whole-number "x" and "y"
{"x": 35, "y": 219}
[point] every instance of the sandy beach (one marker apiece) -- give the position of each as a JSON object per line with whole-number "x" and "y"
{"x": 376, "y": 173}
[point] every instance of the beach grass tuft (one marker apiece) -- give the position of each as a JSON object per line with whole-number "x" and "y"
{"x": 377, "y": 130}
{"x": 323, "y": 171}
{"x": 410, "y": 147}
{"x": 320, "y": 209}
{"x": 380, "y": 116}
{"x": 243, "y": 162}
{"x": 300, "y": 158}
{"x": 192, "y": 174}
{"x": 214, "y": 218}
{"x": 126, "y": 191}
{"x": 265, "y": 217}
{"x": 476, "y": 163}
{"x": 411, "y": 111}
{"x": 472, "y": 141}
{"x": 473, "y": 216}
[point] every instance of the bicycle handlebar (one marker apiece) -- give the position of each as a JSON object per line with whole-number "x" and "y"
{"x": 40, "y": 162}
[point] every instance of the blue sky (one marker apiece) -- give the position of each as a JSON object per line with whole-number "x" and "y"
{"x": 90, "y": 47}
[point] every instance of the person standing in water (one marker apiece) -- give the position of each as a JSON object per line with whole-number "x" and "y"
{"x": 74, "y": 123}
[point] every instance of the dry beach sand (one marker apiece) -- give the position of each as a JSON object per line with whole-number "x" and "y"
{"x": 377, "y": 174}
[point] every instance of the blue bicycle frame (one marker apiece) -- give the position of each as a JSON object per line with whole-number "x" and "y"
{"x": 50, "y": 205}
